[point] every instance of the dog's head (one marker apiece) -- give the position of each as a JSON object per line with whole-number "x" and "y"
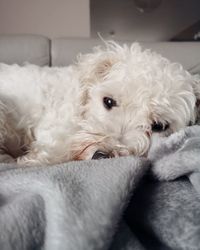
{"x": 128, "y": 96}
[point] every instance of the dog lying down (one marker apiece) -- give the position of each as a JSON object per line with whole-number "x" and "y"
{"x": 110, "y": 103}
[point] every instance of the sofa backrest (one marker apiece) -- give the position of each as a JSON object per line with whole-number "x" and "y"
{"x": 63, "y": 51}
{"x": 24, "y": 48}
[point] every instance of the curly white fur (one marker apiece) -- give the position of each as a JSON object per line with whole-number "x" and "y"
{"x": 53, "y": 115}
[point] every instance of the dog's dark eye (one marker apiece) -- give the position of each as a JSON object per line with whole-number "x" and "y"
{"x": 159, "y": 127}
{"x": 109, "y": 103}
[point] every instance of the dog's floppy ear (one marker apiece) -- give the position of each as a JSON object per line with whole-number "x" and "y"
{"x": 95, "y": 67}
{"x": 103, "y": 68}
{"x": 92, "y": 75}
{"x": 92, "y": 69}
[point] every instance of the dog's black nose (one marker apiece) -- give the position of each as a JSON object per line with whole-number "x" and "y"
{"x": 100, "y": 155}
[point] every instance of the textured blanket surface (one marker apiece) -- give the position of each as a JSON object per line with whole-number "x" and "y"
{"x": 115, "y": 204}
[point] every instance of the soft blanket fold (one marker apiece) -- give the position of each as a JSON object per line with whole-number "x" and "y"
{"x": 70, "y": 206}
{"x": 126, "y": 203}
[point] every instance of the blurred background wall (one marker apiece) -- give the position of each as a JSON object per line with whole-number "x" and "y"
{"x": 52, "y": 18}
{"x": 141, "y": 20}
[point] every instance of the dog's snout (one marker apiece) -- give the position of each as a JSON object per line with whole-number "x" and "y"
{"x": 100, "y": 155}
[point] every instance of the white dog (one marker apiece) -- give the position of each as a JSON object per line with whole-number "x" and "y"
{"x": 109, "y": 104}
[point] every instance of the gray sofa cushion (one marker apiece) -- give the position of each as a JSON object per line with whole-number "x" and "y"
{"x": 186, "y": 53}
{"x": 65, "y": 50}
{"x": 24, "y": 48}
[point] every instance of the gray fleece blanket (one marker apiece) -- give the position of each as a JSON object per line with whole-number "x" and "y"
{"x": 127, "y": 203}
